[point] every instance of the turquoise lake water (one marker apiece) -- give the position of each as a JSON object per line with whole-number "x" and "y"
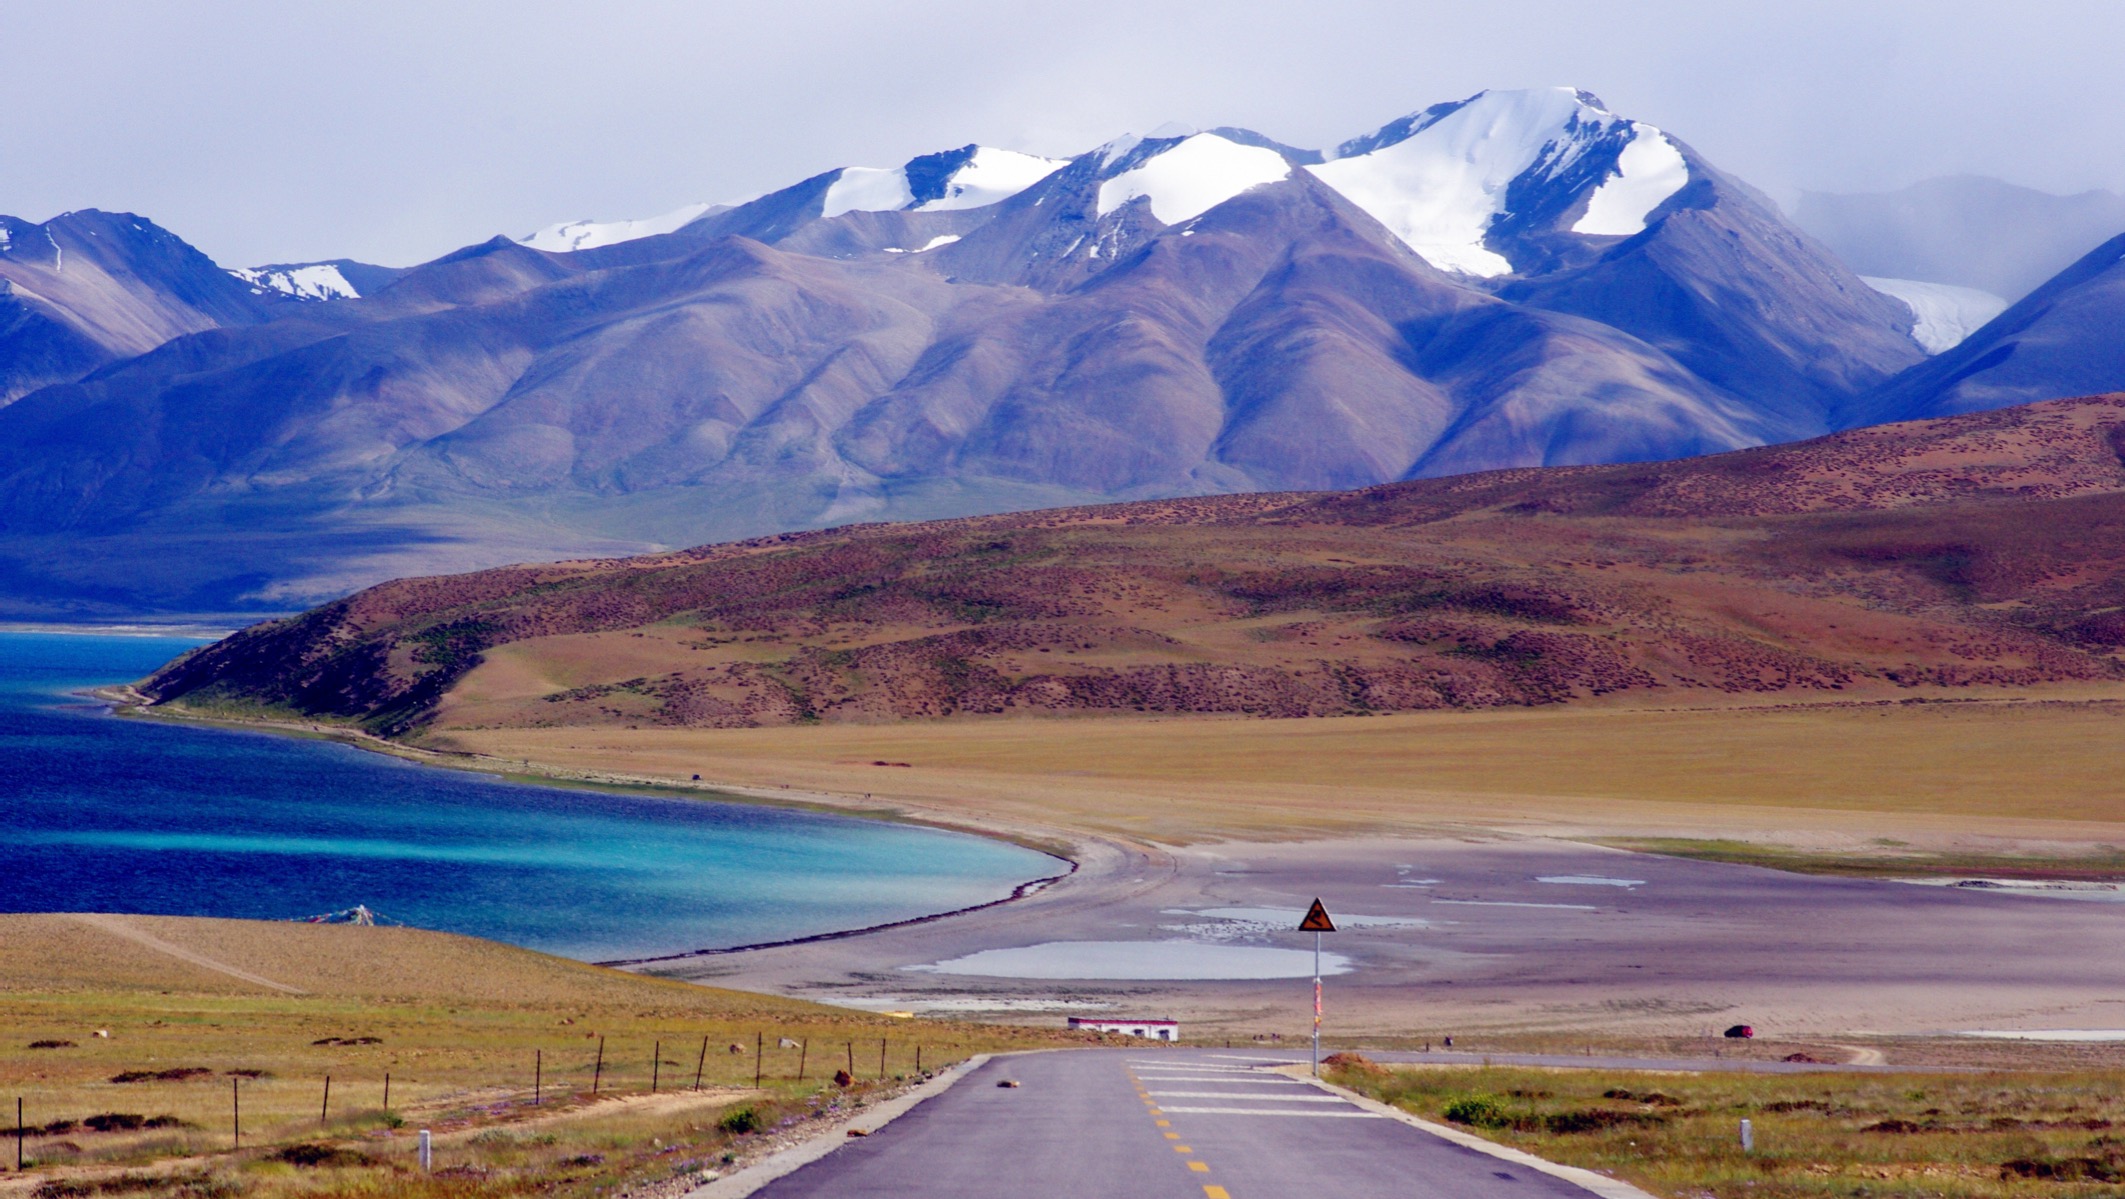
{"x": 99, "y": 813}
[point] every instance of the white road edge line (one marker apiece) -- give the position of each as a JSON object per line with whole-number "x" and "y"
{"x": 1217, "y": 1078}
{"x": 834, "y": 1136}
{"x": 1599, "y": 1184}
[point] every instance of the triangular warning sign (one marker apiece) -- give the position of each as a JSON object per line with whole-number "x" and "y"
{"x": 1317, "y": 920}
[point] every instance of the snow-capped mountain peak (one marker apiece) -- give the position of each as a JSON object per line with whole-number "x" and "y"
{"x": 969, "y": 177}
{"x": 314, "y": 281}
{"x": 982, "y": 175}
{"x": 1183, "y": 179}
{"x": 1445, "y": 179}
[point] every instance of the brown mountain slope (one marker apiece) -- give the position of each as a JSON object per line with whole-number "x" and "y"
{"x": 1979, "y": 550}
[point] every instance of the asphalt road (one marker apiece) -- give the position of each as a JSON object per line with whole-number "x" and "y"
{"x": 1153, "y": 1124}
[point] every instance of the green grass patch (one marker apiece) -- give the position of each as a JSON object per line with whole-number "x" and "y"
{"x": 1883, "y": 1136}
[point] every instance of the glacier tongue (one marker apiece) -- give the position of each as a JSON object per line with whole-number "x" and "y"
{"x": 1944, "y": 314}
{"x": 1193, "y": 177}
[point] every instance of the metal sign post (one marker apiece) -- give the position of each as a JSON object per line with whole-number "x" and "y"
{"x": 1317, "y": 922}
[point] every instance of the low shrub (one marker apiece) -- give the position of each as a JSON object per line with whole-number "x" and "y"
{"x": 2107, "y": 1168}
{"x": 175, "y": 1074}
{"x": 742, "y": 1120}
{"x": 1598, "y": 1119}
{"x": 314, "y": 1156}
{"x": 1478, "y": 1111}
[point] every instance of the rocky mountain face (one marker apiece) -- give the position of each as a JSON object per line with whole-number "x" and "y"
{"x": 89, "y": 288}
{"x": 1517, "y": 279}
{"x": 1944, "y": 558}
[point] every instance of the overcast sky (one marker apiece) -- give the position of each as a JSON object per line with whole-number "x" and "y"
{"x": 392, "y": 131}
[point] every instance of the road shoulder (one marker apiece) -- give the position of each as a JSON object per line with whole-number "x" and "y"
{"x": 750, "y": 1179}
{"x": 1599, "y": 1184}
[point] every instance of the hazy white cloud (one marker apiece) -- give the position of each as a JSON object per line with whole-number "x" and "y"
{"x": 393, "y": 131}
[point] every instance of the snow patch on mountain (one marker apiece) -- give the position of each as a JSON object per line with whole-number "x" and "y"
{"x": 1944, "y": 314}
{"x": 1192, "y": 177}
{"x": 973, "y": 177}
{"x": 1649, "y": 170}
{"x": 942, "y": 239}
{"x": 868, "y": 189}
{"x": 1441, "y": 185}
{"x": 586, "y": 235}
{"x": 991, "y": 176}
{"x": 320, "y": 281}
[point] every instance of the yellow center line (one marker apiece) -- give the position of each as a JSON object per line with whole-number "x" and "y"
{"x": 1165, "y": 1123}
{"x": 1215, "y": 1192}
{"x": 1199, "y": 1167}
{"x": 1182, "y": 1149}
{"x": 1171, "y": 1136}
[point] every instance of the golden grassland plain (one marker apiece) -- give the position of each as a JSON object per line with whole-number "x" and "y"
{"x": 2018, "y": 774}
{"x": 187, "y": 1009}
{"x": 1816, "y": 1135}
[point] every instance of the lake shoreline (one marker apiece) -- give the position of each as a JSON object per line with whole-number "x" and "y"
{"x": 1067, "y": 847}
{"x": 1056, "y": 842}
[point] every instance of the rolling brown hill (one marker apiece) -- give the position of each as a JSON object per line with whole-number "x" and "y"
{"x": 1976, "y": 551}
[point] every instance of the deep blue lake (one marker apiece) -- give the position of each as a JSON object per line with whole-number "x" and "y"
{"x": 99, "y": 813}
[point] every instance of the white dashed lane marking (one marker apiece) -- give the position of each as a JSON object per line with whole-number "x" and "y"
{"x": 1266, "y": 1096}
{"x": 1350, "y": 1113}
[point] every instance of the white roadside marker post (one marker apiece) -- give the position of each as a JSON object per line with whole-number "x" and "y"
{"x": 1317, "y": 922}
{"x": 427, "y": 1152}
{"x": 1748, "y": 1136}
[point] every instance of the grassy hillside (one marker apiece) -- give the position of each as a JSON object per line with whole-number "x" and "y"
{"x": 126, "y": 1035}
{"x": 1940, "y": 557}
